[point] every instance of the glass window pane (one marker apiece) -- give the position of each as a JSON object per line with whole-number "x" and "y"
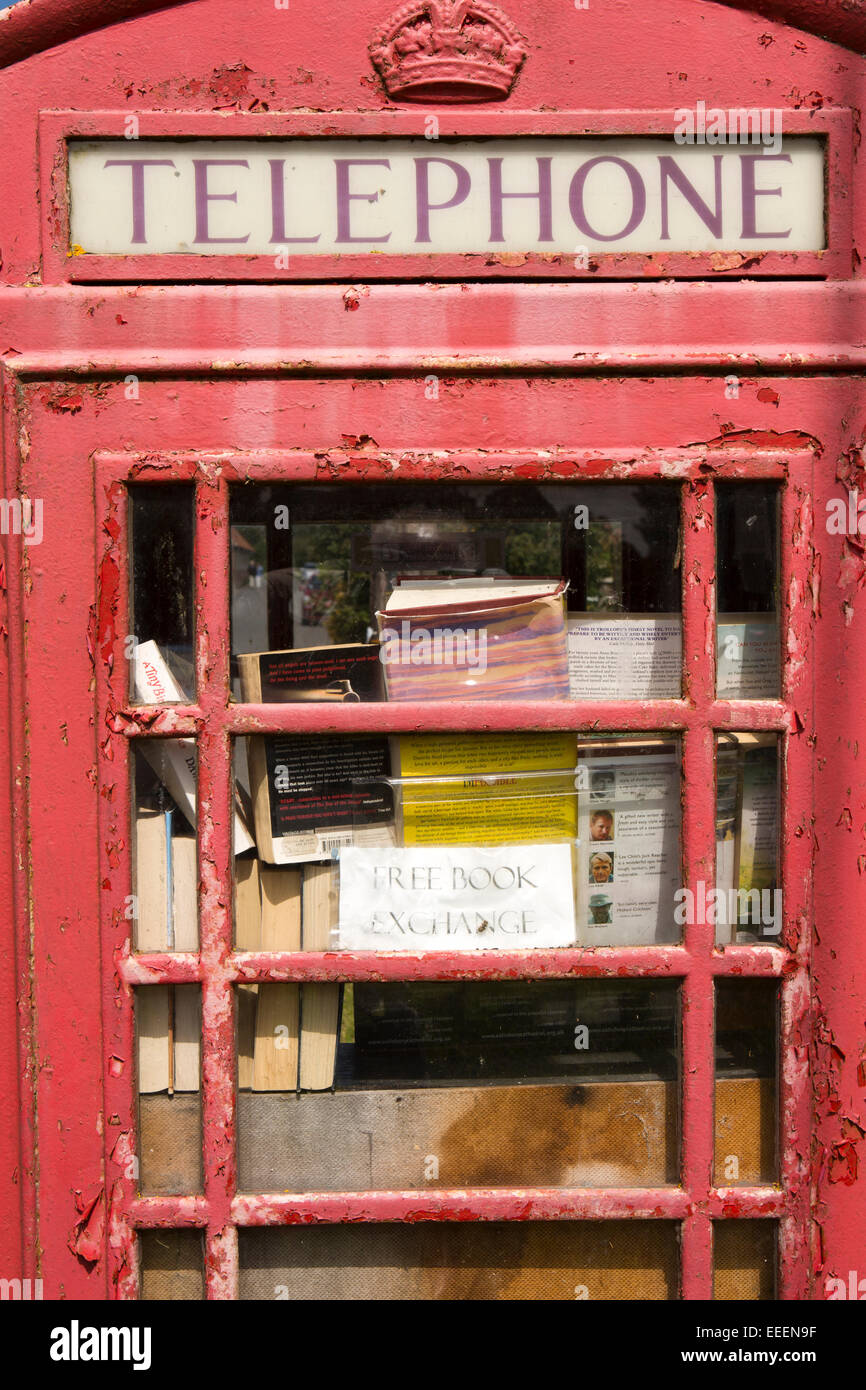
{"x": 485, "y": 1260}
{"x": 168, "y": 1026}
{"x": 470, "y": 1084}
{"x": 747, "y": 908}
{"x": 747, "y": 558}
{"x": 744, "y": 1260}
{"x": 165, "y": 870}
{"x": 469, "y": 591}
{"x": 162, "y": 670}
{"x": 629, "y": 856}
{"x": 746, "y": 1082}
{"x": 459, "y": 841}
{"x": 172, "y": 1265}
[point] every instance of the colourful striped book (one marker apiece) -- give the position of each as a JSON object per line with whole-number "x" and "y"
{"x": 475, "y": 639}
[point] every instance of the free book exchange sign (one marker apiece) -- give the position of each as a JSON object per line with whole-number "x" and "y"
{"x": 455, "y": 898}
{"x": 412, "y": 197}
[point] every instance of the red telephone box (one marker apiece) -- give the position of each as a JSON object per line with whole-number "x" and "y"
{"x": 493, "y": 372}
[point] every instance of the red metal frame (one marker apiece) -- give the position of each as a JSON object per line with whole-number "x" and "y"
{"x": 587, "y": 352}
{"x": 51, "y": 22}
{"x": 214, "y": 721}
{"x": 60, "y": 262}
{"x": 18, "y": 1130}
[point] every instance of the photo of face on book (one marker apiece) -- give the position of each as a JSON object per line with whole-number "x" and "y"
{"x": 601, "y": 867}
{"x": 602, "y": 785}
{"x": 601, "y": 825}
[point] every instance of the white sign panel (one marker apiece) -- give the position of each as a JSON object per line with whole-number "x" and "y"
{"x": 456, "y": 898}
{"x": 566, "y": 196}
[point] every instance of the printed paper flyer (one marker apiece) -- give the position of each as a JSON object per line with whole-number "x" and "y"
{"x": 747, "y": 660}
{"x": 629, "y": 850}
{"x": 625, "y": 658}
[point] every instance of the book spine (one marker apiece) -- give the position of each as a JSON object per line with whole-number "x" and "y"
{"x": 261, "y": 795}
{"x": 184, "y": 892}
{"x": 173, "y": 760}
{"x": 151, "y": 881}
{"x": 251, "y": 689}
{"x": 248, "y": 937}
{"x": 320, "y": 1004}
{"x": 168, "y": 1017}
{"x": 152, "y": 1025}
{"x": 275, "y": 1057}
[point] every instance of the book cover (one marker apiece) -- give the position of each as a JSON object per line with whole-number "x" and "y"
{"x": 313, "y": 795}
{"x": 629, "y": 867}
{"x": 320, "y": 1003}
{"x": 174, "y": 760}
{"x": 350, "y": 673}
{"x": 475, "y": 639}
{"x": 309, "y": 795}
{"x": 488, "y": 789}
{"x": 166, "y": 919}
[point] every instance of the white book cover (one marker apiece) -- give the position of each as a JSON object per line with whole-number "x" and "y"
{"x": 461, "y": 594}
{"x": 173, "y": 760}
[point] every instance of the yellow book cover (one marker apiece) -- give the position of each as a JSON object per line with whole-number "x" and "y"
{"x": 486, "y": 789}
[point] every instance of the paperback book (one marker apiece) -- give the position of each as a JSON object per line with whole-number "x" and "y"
{"x": 475, "y": 639}
{"x": 313, "y": 795}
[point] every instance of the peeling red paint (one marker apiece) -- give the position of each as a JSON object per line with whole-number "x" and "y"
{"x": 843, "y": 1165}
{"x": 86, "y": 1239}
{"x": 353, "y": 296}
{"x": 63, "y": 402}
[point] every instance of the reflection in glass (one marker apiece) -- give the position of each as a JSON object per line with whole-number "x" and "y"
{"x": 168, "y": 1030}
{"x": 747, "y": 550}
{"x": 485, "y": 563}
{"x": 747, "y": 908}
{"x": 746, "y": 1085}
{"x": 478, "y": 1084}
{"x": 161, "y": 599}
{"x": 449, "y": 1260}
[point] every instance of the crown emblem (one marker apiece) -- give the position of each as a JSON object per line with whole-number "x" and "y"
{"x": 448, "y": 51}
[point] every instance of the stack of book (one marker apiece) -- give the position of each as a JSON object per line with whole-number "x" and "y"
{"x": 286, "y": 1033}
